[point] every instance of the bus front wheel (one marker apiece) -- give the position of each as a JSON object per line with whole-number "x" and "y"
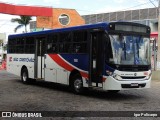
{"x": 77, "y": 84}
{"x": 24, "y": 76}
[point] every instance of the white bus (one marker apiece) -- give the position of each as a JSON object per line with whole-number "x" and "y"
{"x": 110, "y": 56}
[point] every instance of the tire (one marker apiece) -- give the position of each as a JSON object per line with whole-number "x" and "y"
{"x": 24, "y": 76}
{"x": 77, "y": 84}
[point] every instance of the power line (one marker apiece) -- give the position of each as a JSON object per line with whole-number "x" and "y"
{"x": 121, "y": 9}
{"x": 138, "y": 5}
{"x": 152, "y": 3}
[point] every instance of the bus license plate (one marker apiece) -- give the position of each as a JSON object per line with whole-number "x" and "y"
{"x": 134, "y": 84}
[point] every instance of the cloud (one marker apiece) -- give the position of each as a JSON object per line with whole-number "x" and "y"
{"x": 129, "y": 1}
{"x": 141, "y": 1}
{"x": 109, "y": 9}
{"x": 6, "y": 26}
{"x": 120, "y": 1}
{"x": 11, "y": 1}
{"x": 52, "y": 2}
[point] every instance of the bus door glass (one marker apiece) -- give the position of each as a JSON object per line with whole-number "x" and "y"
{"x": 39, "y": 56}
{"x": 96, "y": 56}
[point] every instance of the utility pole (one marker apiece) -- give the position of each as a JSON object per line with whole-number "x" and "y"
{"x": 158, "y": 42}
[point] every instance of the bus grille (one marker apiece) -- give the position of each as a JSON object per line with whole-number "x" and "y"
{"x": 135, "y": 77}
{"x": 134, "y": 69}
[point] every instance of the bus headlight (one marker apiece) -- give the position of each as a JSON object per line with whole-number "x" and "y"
{"x": 148, "y": 77}
{"x": 109, "y": 72}
{"x": 116, "y": 76}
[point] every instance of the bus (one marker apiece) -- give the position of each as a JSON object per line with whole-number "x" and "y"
{"x": 109, "y": 56}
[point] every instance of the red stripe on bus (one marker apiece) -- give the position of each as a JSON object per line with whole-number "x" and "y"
{"x": 104, "y": 79}
{"x": 85, "y": 75}
{"x": 61, "y": 62}
{"x": 65, "y": 65}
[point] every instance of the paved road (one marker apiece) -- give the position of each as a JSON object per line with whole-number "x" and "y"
{"x": 41, "y": 96}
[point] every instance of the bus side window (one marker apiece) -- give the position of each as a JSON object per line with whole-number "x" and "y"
{"x": 80, "y": 47}
{"x": 61, "y": 48}
{"x": 12, "y": 45}
{"x": 20, "y": 45}
{"x": 80, "y": 42}
{"x": 76, "y": 48}
{"x": 65, "y": 42}
{"x": 52, "y": 46}
{"x": 30, "y": 45}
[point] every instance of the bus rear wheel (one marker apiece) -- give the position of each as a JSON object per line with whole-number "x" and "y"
{"x": 24, "y": 76}
{"x": 77, "y": 84}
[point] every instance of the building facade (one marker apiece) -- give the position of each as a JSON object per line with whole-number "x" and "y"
{"x": 148, "y": 16}
{"x": 2, "y": 44}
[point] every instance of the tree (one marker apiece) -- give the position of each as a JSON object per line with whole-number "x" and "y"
{"x": 5, "y": 47}
{"x": 22, "y": 21}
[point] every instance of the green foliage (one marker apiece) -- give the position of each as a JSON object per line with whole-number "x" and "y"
{"x": 22, "y": 21}
{"x": 4, "y": 47}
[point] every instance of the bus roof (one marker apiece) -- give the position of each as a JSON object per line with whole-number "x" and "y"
{"x": 88, "y": 26}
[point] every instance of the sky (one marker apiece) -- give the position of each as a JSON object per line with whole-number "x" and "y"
{"x": 83, "y": 7}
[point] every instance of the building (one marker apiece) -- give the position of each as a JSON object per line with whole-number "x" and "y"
{"x": 2, "y": 44}
{"x": 148, "y": 16}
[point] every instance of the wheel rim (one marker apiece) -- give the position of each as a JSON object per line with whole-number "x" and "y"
{"x": 24, "y": 77}
{"x": 77, "y": 84}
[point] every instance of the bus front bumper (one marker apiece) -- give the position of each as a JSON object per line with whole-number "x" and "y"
{"x": 113, "y": 84}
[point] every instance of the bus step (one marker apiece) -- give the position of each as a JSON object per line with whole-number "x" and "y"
{"x": 97, "y": 85}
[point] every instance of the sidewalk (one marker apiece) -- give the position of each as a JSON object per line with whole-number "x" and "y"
{"x": 156, "y": 75}
{"x": 1, "y": 67}
{"x": 4, "y": 75}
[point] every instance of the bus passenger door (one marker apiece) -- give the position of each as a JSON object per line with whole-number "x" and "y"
{"x": 39, "y": 57}
{"x": 96, "y": 57}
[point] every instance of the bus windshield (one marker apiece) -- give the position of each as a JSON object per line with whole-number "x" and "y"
{"x": 129, "y": 50}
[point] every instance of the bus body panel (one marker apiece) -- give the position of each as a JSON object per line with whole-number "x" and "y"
{"x": 58, "y": 67}
{"x": 51, "y": 74}
{"x": 128, "y": 80}
{"x": 54, "y": 72}
{"x": 62, "y": 76}
{"x": 39, "y": 65}
{"x": 112, "y": 84}
{"x": 15, "y": 62}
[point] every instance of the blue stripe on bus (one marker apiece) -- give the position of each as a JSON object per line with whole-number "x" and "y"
{"x": 82, "y": 27}
{"x": 78, "y": 60}
{"x": 81, "y": 61}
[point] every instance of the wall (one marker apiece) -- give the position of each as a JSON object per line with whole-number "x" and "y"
{"x": 53, "y": 22}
